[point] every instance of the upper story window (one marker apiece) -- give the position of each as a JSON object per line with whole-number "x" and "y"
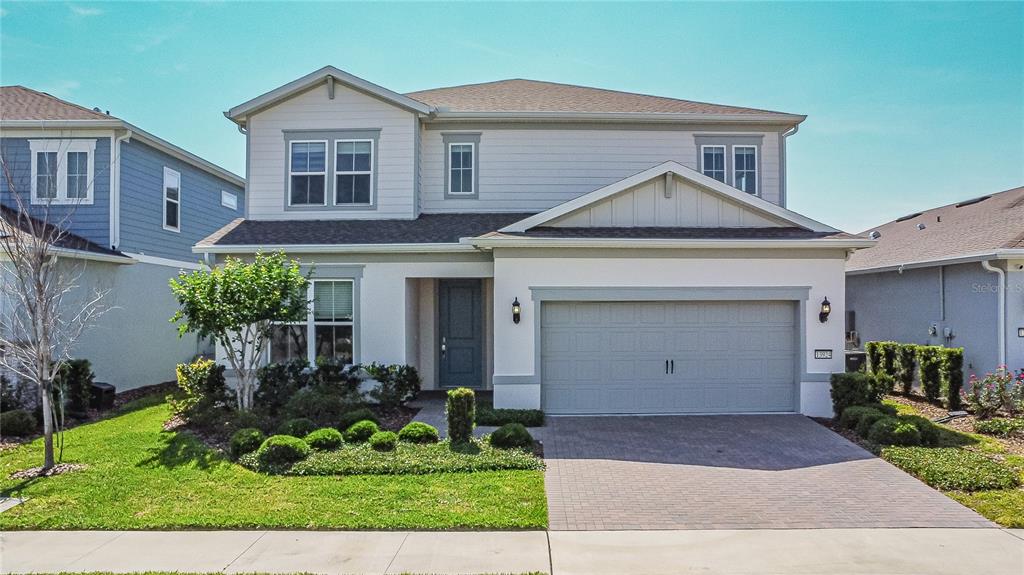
{"x": 353, "y": 172}
{"x": 745, "y": 168}
{"x": 713, "y": 162}
{"x": 461, "y": 165}
{"x": 307, "y": 173}
{"x": 62, "y": 171}
{"x": 172, "y": 200}
{"x": 733, "y": 159}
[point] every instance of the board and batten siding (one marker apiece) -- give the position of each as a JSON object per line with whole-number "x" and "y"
{"x": 394, "y": 195}
{"x": 142, "y": 181}
{"x": 91, "y": 221}
{"x": 533, "y": 169}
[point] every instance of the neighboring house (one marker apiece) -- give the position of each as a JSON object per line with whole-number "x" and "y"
{"x": 574, "y": 249}
{"x": 950, "y": 276}
{"x": 133, "y": 205}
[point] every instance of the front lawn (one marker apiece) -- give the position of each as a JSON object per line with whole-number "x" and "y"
{"x": 139, "y": 477}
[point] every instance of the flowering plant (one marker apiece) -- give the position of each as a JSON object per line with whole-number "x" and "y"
{"x": 987, "y": 395}
{"x": 1014, "y": 395}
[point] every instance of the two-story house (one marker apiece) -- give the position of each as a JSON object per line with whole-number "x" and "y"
{"x": 133, "y": 206}
{"x": 574, "y": 249}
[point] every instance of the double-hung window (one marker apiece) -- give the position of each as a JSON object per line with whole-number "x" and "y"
{"x": 62, "y": 171}
{"x": 327, "y": 331}
{"x": 307, "y": 173}
{"x": 744, "y": 168}
{"x": 460, "y": 169}
{"x": 172, "y": 200}
{"x": 713, "y": 162}
{"x": 353, "y": 172}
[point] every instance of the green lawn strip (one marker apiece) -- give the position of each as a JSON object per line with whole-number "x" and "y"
{"x": 486, "y": 414}
{"x": 1004, "y": 506}
{"x": 141, "y": 478}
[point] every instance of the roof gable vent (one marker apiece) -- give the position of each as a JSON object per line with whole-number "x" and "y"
{"x": 972, "y": 202}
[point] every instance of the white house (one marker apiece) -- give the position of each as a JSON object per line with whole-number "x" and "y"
{"x": 580, "y": 250}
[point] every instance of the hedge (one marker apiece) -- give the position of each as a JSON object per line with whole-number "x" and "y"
{"x": 906, "y": 365}
{"x": 929, "y": 363}
{"x": 952, "y": 378}
{"x": 855, "y": 388}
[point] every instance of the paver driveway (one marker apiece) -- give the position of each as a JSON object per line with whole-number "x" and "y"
{"x": 727, "y": 472}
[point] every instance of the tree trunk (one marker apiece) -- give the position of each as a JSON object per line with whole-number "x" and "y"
{"x": 48, "y": 425}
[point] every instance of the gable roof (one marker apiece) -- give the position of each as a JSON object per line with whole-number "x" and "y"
{"x": 712, "y": 185}
{"x": 21, "y": 103}
{"x": 979, "y": 228}
{"x": 13, "y": 221}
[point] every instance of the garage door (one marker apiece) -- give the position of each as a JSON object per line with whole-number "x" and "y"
{"x": 668, "y": 357}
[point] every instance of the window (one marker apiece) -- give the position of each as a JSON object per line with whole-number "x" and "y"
{"x": 327, "y": 331}
{"x": 353, "y": 172}
{"x": 307, "y": 173}
{"x": 228, "y": 200}
{"x": 713, "y": 162}
{"x": 460, "y": 172}
{"x": 62, "y": 171}
{"x": 744, "y": 162}
{"x": 172, "y": 200}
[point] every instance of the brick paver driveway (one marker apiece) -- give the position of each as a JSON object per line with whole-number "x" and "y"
{"x": 727, "y": 472}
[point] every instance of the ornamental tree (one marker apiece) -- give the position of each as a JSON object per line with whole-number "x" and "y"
{"x": 238, "y": 305}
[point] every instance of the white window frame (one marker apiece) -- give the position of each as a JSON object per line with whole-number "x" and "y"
{"x": 291, "y": 144}
{"x": 62, "y": 147}
{"x": 337, "y": 172}
{"x": 725, "y": 161}
{"x": 169, "y": 173}
{"x": 757, "y": 176}
{"x": 229, "y": 200}
{"x": 472, "y": 168}
{"x": 311, "y": 321}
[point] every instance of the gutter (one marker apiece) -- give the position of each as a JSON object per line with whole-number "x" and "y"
{"x": 335, "y": 248}
{"x": 91, "y": 256}
{"x": 648, "y": 243}
{"x": 1001, "y": 254}
{"x": 782, "y": 160}
{"x": 1002, "y": 309}
{"x": 622, "y": 117}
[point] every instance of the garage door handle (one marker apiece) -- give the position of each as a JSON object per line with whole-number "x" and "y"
{"x": 666, "y": 366}
{"x": 673, "y": 366}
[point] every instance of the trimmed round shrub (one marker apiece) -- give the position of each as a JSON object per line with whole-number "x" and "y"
{"x": 384, "y": 440}
{"x": 511, "y": 435}
{"x": 360, "y": 431}
{"x": 351, "y": 417}
{"x": 893, "y": 431}
{"x": 930, "y": 432}
{"x": 418, "y": 432}
{"x": 246, "y": 440}
{"x": 298, "y": 427}
{"x": 18, "y": 423}
{"x": 324, "y": 439}
{"x": 281, "y": 450}
{"x": 867, "y": 420}
{"x": 852, "y": 415}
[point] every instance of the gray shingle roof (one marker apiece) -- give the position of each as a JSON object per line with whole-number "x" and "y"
{"x": 996, "y": 222}
{"x": 11, "y": 219}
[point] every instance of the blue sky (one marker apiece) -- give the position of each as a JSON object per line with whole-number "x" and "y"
{"x": 910, "y": 105}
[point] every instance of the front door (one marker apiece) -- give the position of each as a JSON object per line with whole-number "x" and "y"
{"x": 460, "y": 307}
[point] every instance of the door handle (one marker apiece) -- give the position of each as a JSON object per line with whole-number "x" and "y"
{"x": 666, "y": 366}
{"x": 444, "y": 346}
{"x": 673, "y": 366}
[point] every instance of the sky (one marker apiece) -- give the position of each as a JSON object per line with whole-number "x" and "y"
{"x": 909, "y": 105}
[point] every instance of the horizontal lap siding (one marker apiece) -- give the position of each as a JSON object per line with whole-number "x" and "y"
{"x": 349, "y": 110}
{"x": 142, "y": 177}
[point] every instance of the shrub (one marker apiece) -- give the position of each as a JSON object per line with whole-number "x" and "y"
{"x": 323, "y": 405}
{"x": 297, "y": 427}
{"x": 883, "y": 407}
{"x": 1013, "y": 400}
{"x": 333, "y": 376}
{"x": 16, "y": 395}
{"x": 887, "y": 353}
{"x": 952, "y": 468}
{"x": 460, "y": 410}
{"x": 351, "y": 417}
{"x": 324, "y": 439}
{"x": 396, "y": 384}
{"x": 853, "y": 389}
{"x": 360, "y": 431}
{"x": 852, "y": 415}
{"x": 883, "y": 383}
{"x": 18, "y": 423}
{"x": 278, "y": 382}
{"x": 511, "y": 435}
{"x": 246, "y": 441}
{"x": 384, "y": 441}
{"x": 894, "y": 431}
{"x": 243, "y": 419}
{"x": 418, "y": 432}
{"x": 952, "y": 380}
{"x": 1001, "y": 426}
{"x": 205, "y": 395}
{"x": 905, "y": 367}
{"x": 280, "y": 451}
{"x": 929, "y": 366}
{"x": 867, "y": 420}
{"x": 985, "y": 396}
{"x": 74, "y": 378}
{"x": 874, "y": 355}
{"x": 928, "y": 430}
{"x": 487, "y": 415}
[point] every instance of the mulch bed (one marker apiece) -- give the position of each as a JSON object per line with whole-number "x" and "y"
{"x": 394, "y": 419}
{"x": 59, "y": 469}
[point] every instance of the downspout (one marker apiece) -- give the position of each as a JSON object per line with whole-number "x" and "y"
{"x": 1002, "y": 309}
{"x": 782, "y": 161}
{"x": 115, "y": 191}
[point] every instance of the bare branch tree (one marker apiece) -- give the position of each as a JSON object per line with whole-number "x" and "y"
{"x": 47, "y": 307}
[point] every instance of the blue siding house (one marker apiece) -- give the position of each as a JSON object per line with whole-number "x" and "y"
{"x": 136, "y": 203}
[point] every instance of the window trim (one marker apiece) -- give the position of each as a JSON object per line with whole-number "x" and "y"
{"x": 327, "y": 165}
{"x": 756, "y": 171}
{"x": 176, "y": 174}
{"x": 310, "y": 322}
{"x": 725, "y": 161}
{"x": 62, "y": 147}
{"x": 472, "y": 170}
{"x": 331, "y": 134}
{"x": 447, "y": 140}
{"x": 370, "y": 172}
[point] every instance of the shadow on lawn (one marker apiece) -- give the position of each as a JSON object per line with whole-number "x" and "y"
{"x": 180, "y": 450}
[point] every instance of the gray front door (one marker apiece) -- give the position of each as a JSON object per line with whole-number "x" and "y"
{"x": 460, "y": 327}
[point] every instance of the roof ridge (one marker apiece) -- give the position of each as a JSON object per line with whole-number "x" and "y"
{"x": 61, "y": 100}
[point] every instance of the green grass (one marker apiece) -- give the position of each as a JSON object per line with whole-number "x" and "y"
{"x": 141, "y": 478}
{"x": 1004, "y": 506}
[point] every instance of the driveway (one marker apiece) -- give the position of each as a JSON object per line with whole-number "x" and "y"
{"x": 727, "y": 472}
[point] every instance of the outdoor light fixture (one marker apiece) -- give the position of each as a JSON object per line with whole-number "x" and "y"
{"x": 517, "y": 310}
{"x": 826, "y": 309}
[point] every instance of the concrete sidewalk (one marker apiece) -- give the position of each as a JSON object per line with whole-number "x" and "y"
{"x": 783, "y": 551}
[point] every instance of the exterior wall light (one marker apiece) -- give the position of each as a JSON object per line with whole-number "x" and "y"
{"x": 826, "y": 309}
{"x": 517, "y": 310}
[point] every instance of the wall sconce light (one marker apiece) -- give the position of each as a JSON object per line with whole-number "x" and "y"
{"x": 517, "y": 310}
{"x": 826, "y": 309}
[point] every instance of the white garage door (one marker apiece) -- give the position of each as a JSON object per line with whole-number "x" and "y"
{"x": 668, "y": 357}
